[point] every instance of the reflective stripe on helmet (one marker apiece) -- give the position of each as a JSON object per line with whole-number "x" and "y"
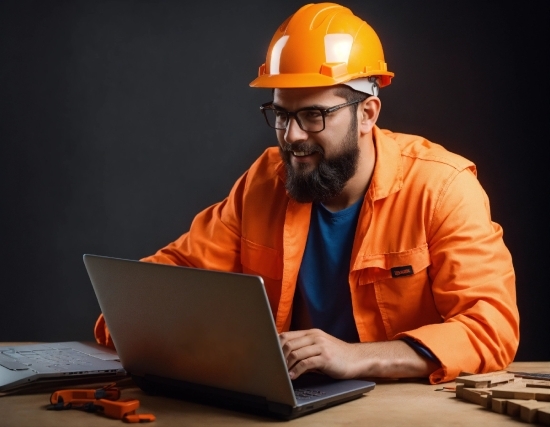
{"x": 276, "y": 55}
{"x": 338, "y": 47}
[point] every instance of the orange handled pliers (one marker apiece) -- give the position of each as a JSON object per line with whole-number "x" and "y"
{"x": 104, "y": 400}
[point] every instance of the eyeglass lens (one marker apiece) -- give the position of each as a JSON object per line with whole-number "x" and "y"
{"x": 309, "y": 120}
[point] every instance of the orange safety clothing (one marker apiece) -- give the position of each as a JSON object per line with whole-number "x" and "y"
{"x": 427, "y": 260}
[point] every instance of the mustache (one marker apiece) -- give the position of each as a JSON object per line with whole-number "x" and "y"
{"x": 302, "y": 146}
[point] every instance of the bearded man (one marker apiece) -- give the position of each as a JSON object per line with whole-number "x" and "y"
{"x": 377, "y": 249}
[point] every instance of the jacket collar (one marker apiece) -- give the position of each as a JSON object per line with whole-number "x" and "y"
{"x": 387, "y": 177}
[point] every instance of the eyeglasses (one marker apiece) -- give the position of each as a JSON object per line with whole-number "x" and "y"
{"x": 310, "y": 119}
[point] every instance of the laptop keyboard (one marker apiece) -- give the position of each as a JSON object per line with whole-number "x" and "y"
{"x": 532, "y": 375}
{"x": 51, "y": 360}
{"x": 305, "y": 393}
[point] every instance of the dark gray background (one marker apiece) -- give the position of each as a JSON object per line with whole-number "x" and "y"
{"x": 122, "y": 119}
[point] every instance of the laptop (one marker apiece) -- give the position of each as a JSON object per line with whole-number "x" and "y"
{"x": 41, "y": 366}
{"x": 206, "y": 336}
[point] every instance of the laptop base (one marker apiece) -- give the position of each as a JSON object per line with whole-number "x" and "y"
{"x": 231, "y": 400}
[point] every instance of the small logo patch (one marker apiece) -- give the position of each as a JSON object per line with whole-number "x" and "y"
{"x": 404, "y": 270}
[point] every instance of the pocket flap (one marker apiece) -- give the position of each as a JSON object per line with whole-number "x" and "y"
{"x": 394, "y": 264}
{"x": 265, "y": 261}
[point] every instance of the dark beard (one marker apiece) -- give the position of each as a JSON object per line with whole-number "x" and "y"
{"x": 328, "y": 179}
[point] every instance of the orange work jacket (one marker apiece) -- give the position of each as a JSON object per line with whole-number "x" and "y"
{"x": 427, "y": 261}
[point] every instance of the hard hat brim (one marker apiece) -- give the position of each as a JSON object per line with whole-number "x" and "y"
{"x": 287, "y": 81}
{"x": 292, "y": 81}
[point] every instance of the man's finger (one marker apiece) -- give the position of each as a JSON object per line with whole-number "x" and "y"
{"x": 293, "y": 344}
{"x": 302, "y": 353}
{"x": 306, "y": 365}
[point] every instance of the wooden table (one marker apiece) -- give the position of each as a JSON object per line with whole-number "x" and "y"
{"x": 391, "y": 403}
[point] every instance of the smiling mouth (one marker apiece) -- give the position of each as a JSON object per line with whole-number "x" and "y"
{"x": 302, "y": 150}
{"x": 301, "y": 153}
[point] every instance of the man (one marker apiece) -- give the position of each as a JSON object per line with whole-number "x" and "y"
{"x": 377, "y": 249}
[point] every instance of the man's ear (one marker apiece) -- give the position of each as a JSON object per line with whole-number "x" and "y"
{"x": 368, "y": 111}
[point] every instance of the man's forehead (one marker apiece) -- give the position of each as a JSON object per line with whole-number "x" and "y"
{"x": 305, "y": 96}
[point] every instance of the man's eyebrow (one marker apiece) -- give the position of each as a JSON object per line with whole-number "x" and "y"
{"x": 315, "y": 106}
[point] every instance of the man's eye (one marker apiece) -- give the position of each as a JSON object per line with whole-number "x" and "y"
{"x": 312, "y": 115}
{"x": 280, "y": 114}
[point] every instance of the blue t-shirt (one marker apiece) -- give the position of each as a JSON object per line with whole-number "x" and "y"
{"x": 323, "y": 298}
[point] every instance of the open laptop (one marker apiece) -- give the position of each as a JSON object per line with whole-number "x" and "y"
{"x": 39, "y": 366}
{"x": 205, "y": 335}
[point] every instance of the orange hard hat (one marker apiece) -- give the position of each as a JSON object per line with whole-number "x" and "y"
{"x": 322, "y": 44}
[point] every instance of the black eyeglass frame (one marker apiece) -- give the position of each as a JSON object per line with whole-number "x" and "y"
{"x": 324, "y": 111}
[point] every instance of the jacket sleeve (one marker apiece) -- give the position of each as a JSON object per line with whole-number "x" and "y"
{"x": 473, "y": 285}
{"x": 212, "y": 242}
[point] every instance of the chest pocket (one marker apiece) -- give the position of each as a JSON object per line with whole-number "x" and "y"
{"x": 267, "y": 263}
{"x": 261, "y": 260}
{"x": 402, "y": 288}
{"x": 394, "y": 265}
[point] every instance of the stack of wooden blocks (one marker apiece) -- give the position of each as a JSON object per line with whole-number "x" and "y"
{"x": 505, "y": 393}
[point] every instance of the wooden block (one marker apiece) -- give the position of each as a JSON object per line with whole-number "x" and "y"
{"x": 535, "y": 393}
{"x": 520, "y": 391}
{"x": 543, "y": 416}
{"x": 485, "y": 380}
{"x": 498, "y": 405}
{"x": 513, "y": 407}
{"x": 458, "y": 390}
{"x": 537, "y": 383}
{"x": 529, "y": 409}
{"x": 477, "y": 396}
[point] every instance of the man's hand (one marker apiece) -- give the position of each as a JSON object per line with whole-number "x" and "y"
{"x": 315, "y": 350}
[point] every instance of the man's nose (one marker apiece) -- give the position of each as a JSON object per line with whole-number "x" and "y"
{"x": 294, "y": 132}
